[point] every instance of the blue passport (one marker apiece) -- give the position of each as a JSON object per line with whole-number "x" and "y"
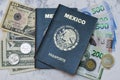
{"x": 43, "y": 19}
{"x": 66, "y": 39}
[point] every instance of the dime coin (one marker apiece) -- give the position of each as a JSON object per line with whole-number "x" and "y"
{"x": 13, "y": 59}
{"x": 90, "y": 64}
{"x": 25, "y": 48}
{"x": 107, "y": 61}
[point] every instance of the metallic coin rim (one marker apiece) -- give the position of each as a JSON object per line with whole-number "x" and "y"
{"x": 105, "y": 65}
{"x": 89, "y": 68}
{"x": 17, "y": 61}
{"x": 25, "y": 52}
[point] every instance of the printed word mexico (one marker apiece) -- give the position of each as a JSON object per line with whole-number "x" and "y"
{"x": 73, "y": 18}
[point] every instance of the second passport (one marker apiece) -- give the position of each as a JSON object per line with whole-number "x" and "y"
{"x": 43, "y": 19}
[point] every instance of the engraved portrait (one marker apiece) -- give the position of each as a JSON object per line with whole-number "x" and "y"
{"x": 30, "y": 27}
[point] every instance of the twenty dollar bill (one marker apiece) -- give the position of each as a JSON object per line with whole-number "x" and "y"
{"x": 20, "y": 19}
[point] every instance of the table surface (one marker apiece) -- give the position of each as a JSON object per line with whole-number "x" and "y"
{"x": 51, "y": 74}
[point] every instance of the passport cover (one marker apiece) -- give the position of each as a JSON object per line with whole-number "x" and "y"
{"x": 66, "y": 39}
{"x": 43, "y": 19}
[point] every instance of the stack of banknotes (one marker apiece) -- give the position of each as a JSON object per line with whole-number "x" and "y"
{"x": 17, "y": 46}
{"x": 102, "y": 41}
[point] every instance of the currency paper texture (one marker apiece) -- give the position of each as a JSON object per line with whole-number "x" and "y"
{"x": 20, "y": 70}
{"x": 17, "y": 53}
{"x": 20, "y": 19}
{"x": 17, "y": 44}
{"x": 101, "y": 42}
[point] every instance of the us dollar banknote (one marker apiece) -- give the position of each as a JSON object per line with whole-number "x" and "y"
{"x": 20, "y": 19}
{"x": 17, "y": 53}
{"x": 3, "y": 37}
{"x": 12, "y": 36}
{"x": 20, "y": 70}
{"x": 1, "y": 51}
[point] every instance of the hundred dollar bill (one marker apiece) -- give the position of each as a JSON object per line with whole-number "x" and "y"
{"x": 18, "y": 54}
{"x": 20, "y": 70}
{"x": 20, "y": 19}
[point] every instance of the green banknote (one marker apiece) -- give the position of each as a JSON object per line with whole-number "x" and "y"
{"x": 1, "y": 51}
{"x": 104, "y": 40}
{"x": 90, "y": 65}
{"x": 20, "y": 19}
{"x": 12, "y": 36}
{"x": 20, "y": 70}
{"x": 17, "y": 53}
{"x": 99, "y": 45}
{"x": 3, "y": 37}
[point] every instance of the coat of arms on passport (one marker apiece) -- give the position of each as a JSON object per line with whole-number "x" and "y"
{"x": 66, "y": 38}
{"x": 43, "y": 19}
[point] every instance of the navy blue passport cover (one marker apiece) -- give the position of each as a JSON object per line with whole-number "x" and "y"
{"x": 43, "y": 19}
{"x": 66, "y": 39}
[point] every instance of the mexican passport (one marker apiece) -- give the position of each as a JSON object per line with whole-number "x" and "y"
{"x": 43, "y": 19}
{"x": 66, "y": 39}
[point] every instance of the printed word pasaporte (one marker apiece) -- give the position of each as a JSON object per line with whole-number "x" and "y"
{"x": 57, "y": 57}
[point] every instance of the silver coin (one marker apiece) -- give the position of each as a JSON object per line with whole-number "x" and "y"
{"x": 107, "y": 61}
{"x": 13, "y": 59}
{"x": 25, "y": 48}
